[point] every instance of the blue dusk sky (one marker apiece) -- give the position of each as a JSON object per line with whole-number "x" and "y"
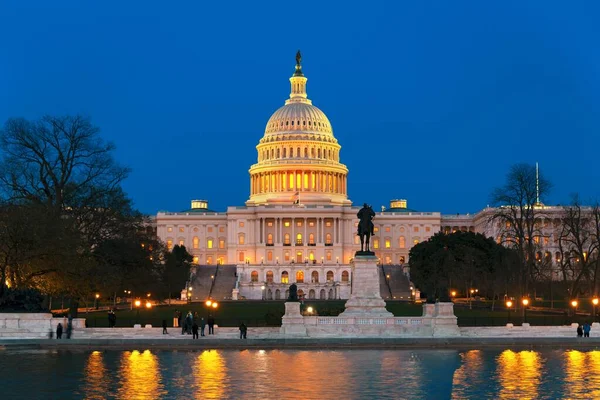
{"x": 431, "y": 101}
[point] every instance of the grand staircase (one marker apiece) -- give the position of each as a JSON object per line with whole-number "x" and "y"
{"x": 397, "y": 286}
{"x": 202, "y": 282}
{"x": 224, "y": 282}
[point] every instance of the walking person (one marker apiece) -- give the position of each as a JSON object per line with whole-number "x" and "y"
{"x": 165, "y": 327}
{"x": 586, "y": 329}
{"x": 202, "y": 326}
{"x": 59, "y": 330}
{"x": 243, "y": 330}
{"x": 579, "y": 330}
{"x": 176, "y": 319}
{"x": 211, "y": 325}
{"x": 195, "y": 331}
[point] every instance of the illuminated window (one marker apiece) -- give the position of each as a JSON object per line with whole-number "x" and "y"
{"x": 387, "y": 228}
{"x": 536, "y": 239}
{"x": 195, "y": 260}
{"x": 241, "y": 224}
{"x": 376, "y": 229}
{"x": 241, "y": 238}
{"x": 311, "y": 224}
{"x": 269, "y": 256}
{"x": 311, "y": 238}
{"x": 284, "y": 276}
{"x": 329, "y": 276}
{"x": 401, "y": 259}
{"x": 286, "y": 224}
{"x": 299, "y": 223}
{"x": 169, "y": 245}
{"x": 427, "y": 229}
{"x": 546, "y": 241}
{"x": 254, "y": 276}
{"x": 356, "y": 240}
{"x": 345, "y": 276}
{"x": 269, "y": 276}
{"x": 314, "y": 277}
{"x": 241, "y": 256}
{"x": 356, "y": 224}
{"x": 328, "y": 223}
{"x": 286, "y": 256}
{"x": 270, "y": 238}
{"x": 300, "y": 277}
{"x": 196, "y": 242}
{"x": 181, "y": 229}
{"x": 388, "y": 260}
{"x": 209, "y": 260}
{"x": 402, "y": 242}
{"x": 388, "y": 243}
{"x": 169, "y": 229}
{"x": 311, "y": 256}
{"x": 507, "y": 224}
{"x": 376, "y": 243}
{"x": 210, "y": 229}
{"x": 416, "y": 241}
{"x": 299, "y": 238}
{"x": 286, "y": 238}
{"x": 181, "y": 242}
{"x": 328, "y": 256}
{"x": 222, "y": 229}
{"x": 209, "y": 244}
{"x": 416, "y": 229}
{"x": 221, "y": 243}
{"x": 328, "y": 238}
{"x": 269, "y": 223}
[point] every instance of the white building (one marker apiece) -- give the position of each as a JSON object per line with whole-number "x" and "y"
{"x": 298, "y": 224}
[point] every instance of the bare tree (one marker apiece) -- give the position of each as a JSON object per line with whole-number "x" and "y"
{"x": 518, "y": 212}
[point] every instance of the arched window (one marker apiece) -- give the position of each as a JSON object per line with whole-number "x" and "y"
{"x": 196, "y": 242}
{"x": 277, "y": 153}
{"x": 299, "y": 238}
{"x": 314, "y": 277}
{"x": 291, "y": 152}
{"x": 305, "y": 152}
{"x": 311, "y": 238}
{"x": 298, "y": 154}
{"x": 328, "y": 238}
{"x": 300, "y": 277}
{"x": 330, "y": 294}
{"x": 345, "y": 276}
{"x": 312, "y": 152}
{"x": 319, "y": 153}
{"x": 416, "y": 241}
{"x": 277, "y": 294}
{"x": 311, "y": 294}
{"x": 285, "y": 277}
{"x": 388, "y": 242}
{"x": 322, "y": 295}
{"x": 269, "y": 276}
{"x": 286, "y": 239}
{"x": 254, "y": 276}
{"x": 270, "y": 238}
{"x": 375, "y": 243}
{"x": 241, "y": 257}
{"x": 284, "y": 152}
{"x": 329, "y": 276}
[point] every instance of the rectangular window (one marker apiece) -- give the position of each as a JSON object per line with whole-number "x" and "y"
{"x": 169, "y": 245}
{"x": 241, "y": 224}
{"x": 269, "y": 256}
{"x": 328, "y": 256}
{"x": 328, "y": 223}
{"x": 416, "y": 229}
{"x": 181, "y": 243}
{"x": 209, "y": 229}
{"x": 222, "y": 229}
{"x": 195, "y": 242}
{"x": 376, "y": 244}
{"x": 169, "y": 229}
{"x": 269, "y": 224}
{"x": 181, "y": 229}
{"x": 376, "y": 229}
{"x": 241, "y": 240}
{"x": 356, "y": 240}
{"x": 286, "y": 257}
{"x": 241, "y": 256}
{"x": 221, "y": 244}
{"x": 416, "y": 241}
{"x": 311, "y": 224}
{"x": 427, "y": 229}
{"x": 196, "y": 259}
{"x": 387, "y": 228}
{"x": 388, "y": 243}
{"x": 209, "y": 244}
{"x": 209, "y": 260}
{"x": 286, "y": 224}
{"x": 546, "y": 241}
{"x": 299, "y": 223}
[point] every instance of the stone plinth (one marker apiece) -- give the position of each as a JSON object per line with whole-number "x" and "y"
{"x": 444, "y": 321}
{"x": 365, "y": 299}
{"x": 292, "y": 322}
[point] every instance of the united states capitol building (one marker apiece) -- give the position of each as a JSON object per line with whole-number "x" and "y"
{"x": 298, "y": 224}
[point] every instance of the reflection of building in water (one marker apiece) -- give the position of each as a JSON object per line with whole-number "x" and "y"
{"x": 471, "y": 374}
{"x": 519, "y": 374}
{"x": 141, "y": 377}
{"x": 97, "y": 382}
{"x": 209, "y": 374}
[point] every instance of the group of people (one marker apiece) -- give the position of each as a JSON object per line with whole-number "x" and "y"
{"x": 192, "y": 324}
{"x": 584, "y": 330}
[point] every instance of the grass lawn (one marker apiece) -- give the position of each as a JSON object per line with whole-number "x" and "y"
{"x": 268, "y": 313}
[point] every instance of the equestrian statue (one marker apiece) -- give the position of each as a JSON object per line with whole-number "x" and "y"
{"x": 365, "y": 228}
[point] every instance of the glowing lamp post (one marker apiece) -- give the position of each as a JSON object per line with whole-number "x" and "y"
{"x": 309, "y": 310}
{"x": 138, "y": 303}
{"x": 453, "y": 293}
{"x": 525, "y": 304}
{"x": 574, "y": 304}
{"x": 148, "y": 305}
{"x": 594, "y": 303}
{"x": 262, "y": 289}
{"x": 96, "y": 300}
{"x": 508, "y": 306}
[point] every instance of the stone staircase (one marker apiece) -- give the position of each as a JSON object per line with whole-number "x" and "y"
{"x": 384, "y": 287}
{"x": 224, "y": 282}
{"x": 399, "y": 285}
{"x": 202, "y": 281}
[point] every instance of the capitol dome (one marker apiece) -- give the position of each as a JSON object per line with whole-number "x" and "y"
{"x": 298, "y": 156}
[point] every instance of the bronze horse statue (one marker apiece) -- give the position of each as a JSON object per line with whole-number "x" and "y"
{"x": 365, "y": 226}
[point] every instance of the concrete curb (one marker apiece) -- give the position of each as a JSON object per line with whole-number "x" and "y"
{"x": 302, "y": 343}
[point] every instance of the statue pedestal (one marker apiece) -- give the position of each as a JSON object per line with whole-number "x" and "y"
{"x": 365, "y": 299}
{"x": 292, "y": 322}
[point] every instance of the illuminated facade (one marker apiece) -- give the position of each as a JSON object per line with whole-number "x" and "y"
{"x": 298, "y": 224}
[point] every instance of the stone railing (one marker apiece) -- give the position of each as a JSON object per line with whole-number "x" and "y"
{"x": 28, "y": 325}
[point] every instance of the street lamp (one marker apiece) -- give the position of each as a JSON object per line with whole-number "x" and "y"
{"x": 574, "y": 304}
{"x": 148, "y": 304}
{"x": 96, "y": 301}
{"x": 309, "y": 310}
{"x": 453, "y": 293}
{"x": 189, "y": 294}
{"x": 595, "y": 303}
{"x": 138, "y": 303}
{"x": 215, "y": 304}
{"x": 508, "y": 306}
{"x": 208, "y": 303}
{"x": 525, "y": 304}
{"x": 262, "y": 288}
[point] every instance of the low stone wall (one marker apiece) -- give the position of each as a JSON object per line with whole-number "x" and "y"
{"x": 33, "y": 325}
{"x": 527, "y": 331}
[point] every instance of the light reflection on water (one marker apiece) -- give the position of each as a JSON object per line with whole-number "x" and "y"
{"x": 306, "y": 374}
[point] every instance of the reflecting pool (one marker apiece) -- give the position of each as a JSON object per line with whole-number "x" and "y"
{"x": 300, "y": 374}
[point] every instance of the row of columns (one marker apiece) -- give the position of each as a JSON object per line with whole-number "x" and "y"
{"x": 290, "y": 181}
{"x": 320, "y": 231}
